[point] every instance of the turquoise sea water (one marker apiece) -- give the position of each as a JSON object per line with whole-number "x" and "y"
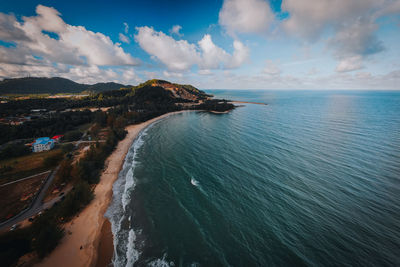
{"x": 311, "y": 179}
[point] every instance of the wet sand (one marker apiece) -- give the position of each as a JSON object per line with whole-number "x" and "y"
{"x": 106, "y": 248}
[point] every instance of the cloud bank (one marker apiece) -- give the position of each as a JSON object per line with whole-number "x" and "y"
{"x": 352, "y": 24}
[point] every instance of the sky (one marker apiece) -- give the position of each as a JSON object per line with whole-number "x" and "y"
{"x": 228, "y": 44}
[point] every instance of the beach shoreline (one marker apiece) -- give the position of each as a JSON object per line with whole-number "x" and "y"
{"x": 88, "y": 234}
{"x": 247, "y": 102}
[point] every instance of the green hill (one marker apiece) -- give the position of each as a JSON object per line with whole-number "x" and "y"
{"x": 183, "y": 91}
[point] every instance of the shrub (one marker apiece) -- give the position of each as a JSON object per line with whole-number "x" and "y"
{"x": 67, "y": 148}
{"x": 72, "y": 136}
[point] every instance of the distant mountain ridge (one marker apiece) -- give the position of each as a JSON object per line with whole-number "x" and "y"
{"x": 55, "y": 85}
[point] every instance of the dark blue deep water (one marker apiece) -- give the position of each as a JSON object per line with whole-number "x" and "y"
{"x": 311, "y": 179}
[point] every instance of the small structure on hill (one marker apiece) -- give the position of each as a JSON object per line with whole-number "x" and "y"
{"x": 43, "y": 144}
{"x": 57, "y": 138}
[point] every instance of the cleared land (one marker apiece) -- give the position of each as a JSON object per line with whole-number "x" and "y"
{"x": 16, "y": 197}
{"x": 21, "y": 167}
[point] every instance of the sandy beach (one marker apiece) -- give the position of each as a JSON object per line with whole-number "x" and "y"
{"x": 88, "y": 234}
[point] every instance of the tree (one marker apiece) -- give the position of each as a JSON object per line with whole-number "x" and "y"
{"x": 13, "y": 245}
{"x": 100, "y": 118}
{"x": 75, "y": 200}
{"x": 72, "y": 136}
{"x": 14, "y": 150}
{"x": 46, "y": 236}
{"x": 120, "y": 122}
{"x": 110, "y": 120}
{"x": 64, "y": 173}
{"x": 66, "y": 148}
{"x": 95, "y": 129}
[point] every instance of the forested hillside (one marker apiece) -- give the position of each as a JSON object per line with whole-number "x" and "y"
{"x": 55, "y": 85}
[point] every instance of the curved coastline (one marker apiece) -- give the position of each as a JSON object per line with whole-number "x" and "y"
{"x": 88, "y": 234}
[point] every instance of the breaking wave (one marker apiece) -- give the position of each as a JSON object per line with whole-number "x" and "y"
{"x": 125, "y": 253}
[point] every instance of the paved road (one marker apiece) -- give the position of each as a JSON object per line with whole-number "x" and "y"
{"x": 80, "y": 140}
{"x": 36, "y": 206}
{"x": 23, "y": 179}
{"x": 77, "y": 143}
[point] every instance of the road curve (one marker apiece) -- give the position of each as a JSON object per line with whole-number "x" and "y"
{"x": 36, "y": 206}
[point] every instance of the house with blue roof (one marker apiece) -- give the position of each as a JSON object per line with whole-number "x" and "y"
{"x": 43, "y": 144}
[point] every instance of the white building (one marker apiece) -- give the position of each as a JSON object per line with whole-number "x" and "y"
{"x": 43, "y": 144}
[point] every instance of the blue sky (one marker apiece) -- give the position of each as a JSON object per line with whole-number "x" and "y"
{"x": 230, "y": 44}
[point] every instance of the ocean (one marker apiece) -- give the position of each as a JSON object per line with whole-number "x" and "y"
{"x": 311, "y": 179}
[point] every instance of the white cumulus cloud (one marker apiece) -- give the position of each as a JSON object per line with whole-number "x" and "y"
{"x": 181, "y": 55}
{"x": 65, "y": 43}
{"x": 350, "y": 64}
{"x": 352, "y": 23}
{"x": 169, "y": 74}
{"x": 271, "y": 68}
{"x": 10, "y": 29}
{"x": 123, "y": 38}
{"x": 176, "y": 30}
{"x": 244, "y": 16}
{"x": 308, "y": 19}
{"x": 348, "y": 26}
{"x": 126, "y": 27}
{"x": 212, "y": 55}
{"x": 45, "y": 45}
{"x": 240, "y": 55}
{"x": 176, "y": 55}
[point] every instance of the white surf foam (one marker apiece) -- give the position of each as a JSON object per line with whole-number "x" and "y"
{"x": 125, "y": 253}
{"x": 161, "y": 262}
{"x": 194, "y": 182}
{"x": 132, "y": 255}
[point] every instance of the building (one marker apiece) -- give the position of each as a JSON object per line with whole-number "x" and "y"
{"x": 43, "y": 144}
{"x": 38, "y": 110}
{"x": 57, "y": 138}
{"x": 14, "y": 120}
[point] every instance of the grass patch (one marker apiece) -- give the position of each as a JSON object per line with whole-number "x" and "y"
{"x": 17, "y": 168}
